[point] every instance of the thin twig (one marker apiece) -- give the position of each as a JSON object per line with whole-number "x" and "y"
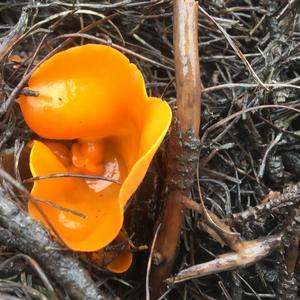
{"x": 218, "y": 227}
{"x": 63, "y": 175}
{"x": 248, "y": 86}
{"x": 21, "y": 188}
{"x": 275, "y": 205}
{"x": 26, "y": 92}
{"x": 150, "y": 262}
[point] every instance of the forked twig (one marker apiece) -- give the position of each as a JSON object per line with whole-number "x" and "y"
{"x": 252, "y": 252}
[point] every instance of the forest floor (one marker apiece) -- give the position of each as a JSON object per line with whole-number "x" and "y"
{"x": 249, "y": 156}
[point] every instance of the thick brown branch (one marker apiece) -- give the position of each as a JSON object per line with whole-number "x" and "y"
{"x": 185, "y": 36}
{"x": 184, "y": 141}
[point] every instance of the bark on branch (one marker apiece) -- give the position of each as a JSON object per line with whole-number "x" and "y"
{"x": 184, "y": 140}
{"x": 185, "y": 41}
{"x": 19, "y": 230}
{"x": 252, "y": 252}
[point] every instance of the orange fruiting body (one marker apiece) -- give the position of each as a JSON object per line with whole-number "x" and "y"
{"x": 92, "y": 101}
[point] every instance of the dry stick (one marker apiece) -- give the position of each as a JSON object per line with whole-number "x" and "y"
{"x": 274, "y": 206}
{"x": 35, "y": 203}
{"x": 247, "y": 252}
{"x": 150, "y": 262}
{"x": 18, "y": 230}
{"x": 252, "y": 252}
{"x": 183, "y": 143}
{"x": 8, "y": 42}
{"x": 214, "y": 226}
{"x": 31, "y": 93}
{"x": 221, "y": 232}
{"x": 185, "y": 35}
{"x": 20, "y": 187}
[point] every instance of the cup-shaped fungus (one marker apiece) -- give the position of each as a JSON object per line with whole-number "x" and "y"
{"x": 92, "y": 101}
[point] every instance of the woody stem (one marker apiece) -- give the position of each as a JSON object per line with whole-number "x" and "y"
{"x": 184, "y": 140}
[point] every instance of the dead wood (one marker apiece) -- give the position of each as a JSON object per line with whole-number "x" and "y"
{"x": 18, "y": 230}
{"x": 9, "y": 40}
{"x": 274, "y": 205}
{"x": 214, "y": 226}
{"x": 250, "y": 254}
{"x": 184, "y": 141}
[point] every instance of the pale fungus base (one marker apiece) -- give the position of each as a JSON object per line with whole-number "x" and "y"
{"x": 94, "y": 97}
{"x": 118, "y": 260}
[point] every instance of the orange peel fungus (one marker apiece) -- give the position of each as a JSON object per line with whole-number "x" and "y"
{"x": 96, "y": 117}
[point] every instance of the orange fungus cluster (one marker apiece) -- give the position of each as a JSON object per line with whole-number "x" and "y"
{"x": 95, "y": 118}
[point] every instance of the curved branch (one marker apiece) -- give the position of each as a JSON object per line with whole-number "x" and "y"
{"x": 19, "y": 230}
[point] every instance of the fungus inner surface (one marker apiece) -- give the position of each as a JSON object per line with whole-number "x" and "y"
{"x": 96, "y": 199}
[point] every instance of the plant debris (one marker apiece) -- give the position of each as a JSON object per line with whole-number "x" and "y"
{"x": 249, "y": 156}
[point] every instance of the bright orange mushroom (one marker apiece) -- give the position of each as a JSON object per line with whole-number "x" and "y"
{"x": 93, "y": 99}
